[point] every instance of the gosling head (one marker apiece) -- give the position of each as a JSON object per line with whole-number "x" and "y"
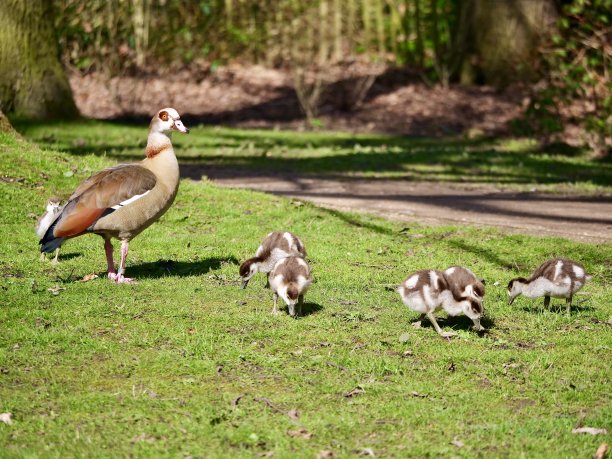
{"x": 515, "y": 288}
{"x": 53, "y": 204}
{"x": 248, "y": 269}
{"x": 474, "y": 309}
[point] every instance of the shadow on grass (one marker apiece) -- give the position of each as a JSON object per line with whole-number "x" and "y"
{"x": 67, "y": 256}
{"x": 166, "y": 268}
{"x": 459, "y": 323}
{"x": 308, "y": 308}
{"x": 236, "y": 153}
{"x": 558, "y": 307}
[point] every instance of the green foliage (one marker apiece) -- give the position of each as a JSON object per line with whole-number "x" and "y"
{"x": 186, "y": 364}
{"x": 110, "y": 35}
{"x": 576, "y": 64}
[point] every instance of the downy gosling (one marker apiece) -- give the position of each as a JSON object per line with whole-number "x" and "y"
{"x": 275, "y": 246}
{"x": 456, "y": 290}
{"x": 44, "y": 222}
{"x": 290, "y": 279}
{"x": 559, "y": 278}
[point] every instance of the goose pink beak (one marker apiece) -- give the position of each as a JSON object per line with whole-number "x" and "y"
{"x": 179, "y": 126}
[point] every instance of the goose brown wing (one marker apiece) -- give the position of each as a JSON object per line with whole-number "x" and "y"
{"x": 100, "y": 192}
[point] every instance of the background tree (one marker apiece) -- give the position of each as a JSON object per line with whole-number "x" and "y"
{"x": 497, "y": 41}
{"x": 33, "y": 83}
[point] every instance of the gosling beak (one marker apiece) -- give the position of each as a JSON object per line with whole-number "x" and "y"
{"x": 511, "y": 300}
{"x": 245, "y": 282}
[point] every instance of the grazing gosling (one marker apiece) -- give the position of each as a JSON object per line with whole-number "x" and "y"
{"x": 559, "y": 278}
{"x": 275, "y": 246}
{"x": 290, "y": 279}
{"x": 427, "y": 291}
{"x": 44, "y": 222}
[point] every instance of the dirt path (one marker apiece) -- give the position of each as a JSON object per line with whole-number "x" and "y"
{"x": 579, "y": 218}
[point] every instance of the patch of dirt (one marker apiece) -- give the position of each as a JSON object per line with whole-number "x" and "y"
{"x": 399, "y": 101}
{"x": 587, "y": 219}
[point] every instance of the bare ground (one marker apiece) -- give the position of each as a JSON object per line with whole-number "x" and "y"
{"x": 398, "y": 102}
{"x": 587, "y": 219}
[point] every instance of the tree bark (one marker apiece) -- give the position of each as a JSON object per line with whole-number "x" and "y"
{"x": 497, "y": 40}
{"x": 33, "y": 83}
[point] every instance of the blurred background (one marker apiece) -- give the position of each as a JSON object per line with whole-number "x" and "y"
{"x": 467, "y": 68}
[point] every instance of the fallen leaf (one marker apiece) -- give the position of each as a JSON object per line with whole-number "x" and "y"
{"x": 325, "y": 454}
{"x": 56, "y": 290}
{"x": 414, "y": 393}
{"x": 335, "y": 365}
{"x": 367, "y": 452}
{"x": 6, "y": 418}
{"x": 408, "y": 353}
{"x": 143, "y": 437}
{"x": 266, "y": 454}
{"x": 356, "y": 391}
{"x": 404, "y": 338}
{"x": 236, "y": 401}
{"x": 416, "y": 324}
{"x": 294, "y": 414}
{"x": 300, "y": 433}
{"x": 89, "y": 277}
{"x": 451, "y": 366}
{"x": 601, "y": 452}
{"x": 458, "y": 443}
{"x": 590, "y": 430}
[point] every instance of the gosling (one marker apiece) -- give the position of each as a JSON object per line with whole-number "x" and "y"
{"x": 427, "y": 291}
{"x": 275, "y": 246}
{"x": 559, "y": 278}
{"x": 290, "y": 279}
{"x": 53, "y": 209}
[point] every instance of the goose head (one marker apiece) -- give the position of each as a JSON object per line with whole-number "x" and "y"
{"x": 167, "y": 120}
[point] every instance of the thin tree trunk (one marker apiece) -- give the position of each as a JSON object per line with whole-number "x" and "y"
{"x": 33, "y": 83}
{"x": 420, "y": 51}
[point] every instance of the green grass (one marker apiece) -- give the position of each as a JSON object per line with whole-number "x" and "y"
{"x": 516, "y": 164}
{"x": 186, "y": 364}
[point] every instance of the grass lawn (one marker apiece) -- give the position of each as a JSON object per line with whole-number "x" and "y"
{"x": 185, "y": 364}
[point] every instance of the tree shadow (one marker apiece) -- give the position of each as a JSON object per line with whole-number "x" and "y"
{"x": 357, "y": 221}
{"x": 166, "y": 268}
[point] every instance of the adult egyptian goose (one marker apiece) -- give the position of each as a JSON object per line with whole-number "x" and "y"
{"x": 44, "y": 222}
{"x": 559, "y": 278}
{"x": 123, "y": 200}
{"x": 427, "y": 291}
{"x": 275, "y": 246}
{"x": 290, "y": 279}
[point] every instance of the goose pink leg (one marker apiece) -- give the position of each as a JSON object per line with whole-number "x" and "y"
{"x": 120, "y": 278}
{"x": 108, "y": 248}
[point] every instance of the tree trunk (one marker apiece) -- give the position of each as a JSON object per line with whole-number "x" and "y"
{"x": 32, "y": 80}
{"x": 497, "y": 40}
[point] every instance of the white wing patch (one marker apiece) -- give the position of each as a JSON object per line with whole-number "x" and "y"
{"x": 578, "y": 271}
{"x": 131, "y": 200}
{"x": 449, "y": 271}
{"x": 412, "y": 281}
{"x": 434, "y": 279}
{"x": 558, "y": 267}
